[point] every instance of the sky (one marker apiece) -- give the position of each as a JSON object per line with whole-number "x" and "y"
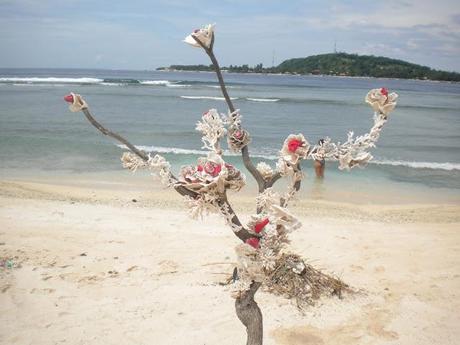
{"x": 145, "y": 34}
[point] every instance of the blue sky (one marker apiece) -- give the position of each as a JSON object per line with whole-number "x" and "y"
{"x": 147, "y": 34}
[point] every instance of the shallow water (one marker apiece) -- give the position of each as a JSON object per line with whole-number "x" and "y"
{"x": 418, "y": 149}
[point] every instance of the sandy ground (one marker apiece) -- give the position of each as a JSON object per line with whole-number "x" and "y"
{"x": 82, "y": 264}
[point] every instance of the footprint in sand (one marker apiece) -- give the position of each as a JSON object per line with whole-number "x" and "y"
{"x": 90, "y": 279}
{"x": 42, "y": 291}
{"x": 298, "y": 336}
{"x": 370, "y": 324}
{"x": 355, "y": 268}
{"x": 379, "y": 269}
{"x": 168, "y": 267}
{"x": 5, "y": 288}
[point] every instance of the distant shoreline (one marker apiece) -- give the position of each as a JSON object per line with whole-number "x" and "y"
{"x": 60, "y": 70}
{"x": 303, "y": 75}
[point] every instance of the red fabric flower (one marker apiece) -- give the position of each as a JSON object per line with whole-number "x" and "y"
{"x": 68, "y": 98}
{"x": 384, "y": 91}
{"x": 253, "y": 242}
{"x": 294, "y": 144}
{"x": 238, "y": 134}
{"x": 199, "y": 168}
{"x": 212, "y": 168}
{"x": 260, "y": 225}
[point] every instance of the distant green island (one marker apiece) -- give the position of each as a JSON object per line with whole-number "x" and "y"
{"x": 337, "y": 64}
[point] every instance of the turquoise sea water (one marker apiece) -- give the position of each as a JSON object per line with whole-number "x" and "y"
{"x": 418, "y": 150}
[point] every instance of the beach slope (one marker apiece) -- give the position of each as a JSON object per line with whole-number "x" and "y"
{"x": 113, "y": 265}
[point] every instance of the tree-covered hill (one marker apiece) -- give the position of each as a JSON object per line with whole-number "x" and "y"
{"x": 363, "y": 66}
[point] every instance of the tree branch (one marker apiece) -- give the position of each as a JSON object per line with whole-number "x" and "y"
{"x": 245, "y": 150}
{"x": 227, "y": 211}
{"x": 180, "y": 189}
{"x": 116, "y": 136}
{"x": 250, "y": 315}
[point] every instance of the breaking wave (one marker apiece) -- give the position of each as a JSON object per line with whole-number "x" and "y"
{"x": 263, "y": 99}
{"x": 180, "y": 151}
{"x": 414, "y": 165}
{"x": 37, "y": 80}
{"x": 420, "y": 165}
{"x": 89, "y": 80}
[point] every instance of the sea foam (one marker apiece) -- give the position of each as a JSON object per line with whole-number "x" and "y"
{"x": 181, "y": 151}
{"x": 263, "y": 99}
{"x": 420, "y": 165}
{"x": 52, "y": 80}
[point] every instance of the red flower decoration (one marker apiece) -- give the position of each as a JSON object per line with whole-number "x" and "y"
{"x": 260, "y": 225}
{"x": 68, "y": 98}
{"x": 384, "y": 91}
{"x": 199, "y": 168}
{"x": 212, "y": 169}
{"x": 253, "y": 242}
{"x": 294, "y": 144}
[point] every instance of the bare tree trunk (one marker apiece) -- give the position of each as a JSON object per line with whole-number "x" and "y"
{"x": 250, "y": 315}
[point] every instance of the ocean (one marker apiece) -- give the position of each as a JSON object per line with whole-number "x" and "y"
{"x": 418, "y": 152}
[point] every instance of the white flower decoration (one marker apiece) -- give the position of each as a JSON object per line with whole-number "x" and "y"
{"x": 294, "y": 147}
{"x": 381, "y": 101}
{"x": 205, "y": 36}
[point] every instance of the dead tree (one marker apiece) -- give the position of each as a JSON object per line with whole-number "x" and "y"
{"x": 263, "y": 255}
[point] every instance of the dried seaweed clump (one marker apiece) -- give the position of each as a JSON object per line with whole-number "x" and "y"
{"x": 293, "y": 279}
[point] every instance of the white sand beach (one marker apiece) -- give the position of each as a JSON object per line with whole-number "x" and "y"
{"x": 82, "y": 263}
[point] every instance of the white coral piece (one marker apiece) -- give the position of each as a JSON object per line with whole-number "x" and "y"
{"x": 202, "y": 205}
{"x": 265, "y": 170}
{"x": 157, "y": 164}
{"x": 161, "y": 167}
{"x": 267, "y": 199}
{"x": 212, "y": 128}
{"x": 284, "y": 218}
{"x": 326, "y": 150}
{"x": 249, "y": 263}
{"x": 238, "y": 288}
{"x": 132, "y": 161}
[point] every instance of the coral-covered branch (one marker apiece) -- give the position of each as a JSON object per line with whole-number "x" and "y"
{"x": 354, "y": 152}
{"x": 79, "y": 104}
{"x": 204, "y": 38}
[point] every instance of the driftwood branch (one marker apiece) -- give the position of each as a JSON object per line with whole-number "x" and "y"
{"x": 114, "y": 135}
{"x": 180, "y": 189}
